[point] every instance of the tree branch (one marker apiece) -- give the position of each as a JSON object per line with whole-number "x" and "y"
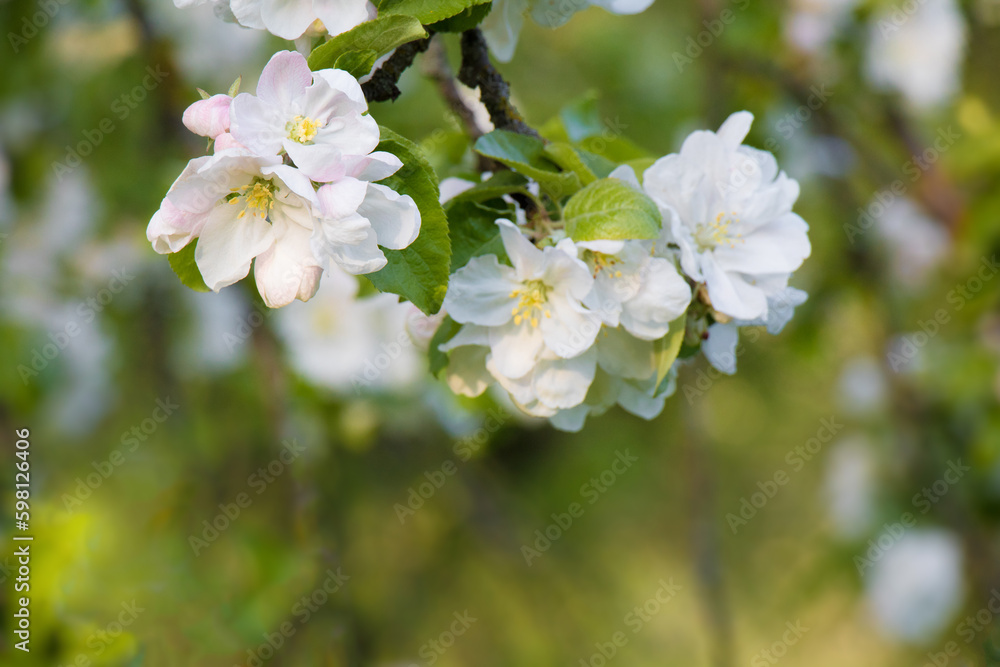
{"x": 478, "y": 72}
{"x": 382, "y": 86}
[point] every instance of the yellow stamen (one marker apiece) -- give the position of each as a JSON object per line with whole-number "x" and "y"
{"x": 302, "y": 130}
{"x": 531, "y": 298}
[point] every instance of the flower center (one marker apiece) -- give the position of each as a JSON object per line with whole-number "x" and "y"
{"x": 301, "y": 129}
{"x": 710, "y": 235}
{"x": 257, "y": 195}
{"x": 532, "y": 298}
{"x": 598, "y": 261}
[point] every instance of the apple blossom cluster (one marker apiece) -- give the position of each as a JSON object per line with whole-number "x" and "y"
{"x": 290, "y": 186}
{"x": 576, "y": 322}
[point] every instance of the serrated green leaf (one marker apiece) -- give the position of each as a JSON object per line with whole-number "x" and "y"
{"x": 587, "y": 166}
{"x": 427, "y": 11}
{"x": 666, "y": 349}
{"x": 526, "y": 155}
{"x": 183, "y": 264}
{"x": 380, "y": 35}
{"x": 357, "y": 63}
{"x": 474, "y": 231}
{"x": 419, "y": 272}
{"x": 445, "y": 332}
{"x": 467, "y": 19}
{"x": 613, "y": 210}
{"x": 499, "y": 184}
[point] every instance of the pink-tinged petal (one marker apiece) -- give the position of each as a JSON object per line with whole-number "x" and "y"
{"x": 337, "y": 83}
{"x": 480, "y": 292}
{"x": 171, "y": 229}
{"x": 394, "y": 217}
{"x": 287, "y": 19}
{"x": 257, "y": 124}
{"x": 225, "y": 142}
{"x": 341, "y": 199}
{"x": 208, "y": 118}
{"x": 339, "y": 16}
{"x": 287, "y": 270}
{"x": 228, "y": 244}
{"x": 286, "y": 76}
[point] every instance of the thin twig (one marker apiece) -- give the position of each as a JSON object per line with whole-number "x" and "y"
{"x": 439, "y": 71}
{"x": 382, "y": 86}
{"x": 478, "y": 72}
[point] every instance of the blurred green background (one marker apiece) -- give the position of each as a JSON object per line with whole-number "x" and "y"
{"x": 159, "y": 411}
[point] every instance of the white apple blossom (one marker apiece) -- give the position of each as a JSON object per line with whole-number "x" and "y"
{"x": 528, "y": 308}
{"x": 811, "y": 25}
{"x": 240, "y": 207}
{"x": 503, "y": 25}
{"x": 729, "y": 211}
{"x": 351, "y": 344}
{"x": 319, "y": 119}
{"x": 916, "y": 587}
{"x": 917, "y": 50}
{"x": 289, "y": 19}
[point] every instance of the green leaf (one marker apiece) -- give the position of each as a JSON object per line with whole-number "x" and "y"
{"x": 526, "y": 155}
{"x": 474, "y": 231}
{"x": 182, "y": 262}
{"x": 581, "y": 119}
{"x": 234, "y": 89}
{"x": 666, "y": 349}
{"x": 419, "y": 272}
{"x": 380, "y": 35}
{"x": 467, "y": 19}
{"x": 611, "y": 209}
{"x": 427, "y": 11}
{"x": 501, "y": 183}
{"x": 445, "y": 332}
{"x": 587, "y": 166}
{"x": 357, "y": 63}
